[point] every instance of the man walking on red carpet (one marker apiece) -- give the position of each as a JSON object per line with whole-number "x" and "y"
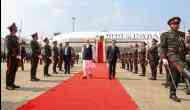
{"x": 113, "y": 54}
{"x": 88, "y": 62}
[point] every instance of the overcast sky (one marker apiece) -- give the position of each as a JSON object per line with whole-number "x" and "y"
{"x": 49, "y": 16}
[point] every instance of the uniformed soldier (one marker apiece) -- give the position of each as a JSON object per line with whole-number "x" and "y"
{"x": 60, "y": 56}
{"x": 127, "y": 55}
{"x": 55, "y": 56}
{"x": 47, "y": 57}
{"x": 77, "y": 58}
{"x": 122, "y": 58}
{"x": 188, "y": 47}
{"x": 131, "y": 58}
{"x": 166, "y": 84}
{"x": 171, "y": 48}
{"x": 161, "y": 67}
{"x": 126, "y": 61}
{"x": 187, "y": 57}
{"x": 23, "y": 55}
{"x": 35, "y": 56}
{"x": 160, "y": 61}
{"x": 135, "y": 58}
{"x": 142, "y": 58}
{"x": 72, "y": 57}
{"x": 13, "y": 56}
{"x": 153, "y": 58}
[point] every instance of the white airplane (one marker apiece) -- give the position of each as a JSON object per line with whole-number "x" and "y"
{"x": 108, "y": 36}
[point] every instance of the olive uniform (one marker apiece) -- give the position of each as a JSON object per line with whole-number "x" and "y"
{"x": 153, "y": 59}
{"x": 131, "y": 59}
{"x": 12, "y": 61}
{"x": 55, "y": 56}
{"x": 23, "y": 55}
{"x": 13, "y": 53}
{"x": 142, "y": 59}
{"x": 60, "y": 57}
{"x": 36, "y": 51}
{"x": 187, "y": 58}
{"x": 47, "y": 59}
{"x": 135, "y": 58}
{"x": 188, "y": 48}
{"x": 172, "y": 47}
{"x": 126, "y": 61}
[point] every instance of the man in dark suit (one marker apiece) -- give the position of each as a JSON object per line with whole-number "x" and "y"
{"x": 113, "y": 54}
{"x": 67, "y": 57}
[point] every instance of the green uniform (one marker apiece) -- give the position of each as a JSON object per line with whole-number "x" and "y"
{"x": 60, "y": 58}
{"x": 142, "y": 58}
{"x": 188, "y": 50}
{"x": 187, "y": 58}
{"x": 135, "y": 60}
{"x": 131, "y": 59}
{"x": 36, "y": 51}
{"x": 13, "y": 50}
{"x": 47, "y": 60}
{"x": 127, "y": 61}
{"x": 172, "y": 48}
{"x": 153, "y": 60}
{"x": 122, "y": 58}
{"x": 55, "y": 58}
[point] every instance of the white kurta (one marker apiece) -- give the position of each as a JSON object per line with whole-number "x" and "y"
{"x": 88, "y": 65}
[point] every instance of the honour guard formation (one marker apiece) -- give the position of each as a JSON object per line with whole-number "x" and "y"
{"x": 95, "y": 55}
{"x": 169, "y": 57}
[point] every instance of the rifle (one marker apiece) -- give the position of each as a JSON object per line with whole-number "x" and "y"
{"x": 20, "y": 43}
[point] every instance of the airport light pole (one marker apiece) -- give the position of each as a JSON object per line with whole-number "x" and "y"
{"x": 74, "y": 19}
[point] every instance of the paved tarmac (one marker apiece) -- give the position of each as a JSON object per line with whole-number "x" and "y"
{"x": 148, "y": 94}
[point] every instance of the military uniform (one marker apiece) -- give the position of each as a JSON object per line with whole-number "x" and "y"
{"x": 135, "y": 58}
{"x": 153, "y": 59}
{"x": 122, "y": 58}
{"x": 77, "y": 58}
{"x": 13, "y": 51}
{"x": 126, "y": 61}
{"x": 142, "y": 59}
{"x": 36, "y": 51}
{"x": 55, "y": 56}
{"x": 23, "y": 55}
{"x": 131, "y": 59}
{"x": 60, "y": 57}
{"x": 46, "y": 57}
{"x": 161, "y": 66}
{"x": 187, "y": 58}
{"x": 172, "y": 47}
{"x": 188, "y": 48}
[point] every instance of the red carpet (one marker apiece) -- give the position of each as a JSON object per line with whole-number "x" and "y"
{"x": 100, "y": 52}
{"x": 98, "y": 93}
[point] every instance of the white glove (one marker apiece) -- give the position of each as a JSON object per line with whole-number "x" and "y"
{"x": 18, "y": 57}
{"x": 159, "y": 61}
{"x": 165, "y": 61}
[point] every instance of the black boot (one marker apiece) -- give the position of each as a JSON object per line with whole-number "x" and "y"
{"x": 188, "y": 91}
{"x": 15, "y": 86}
{"x": 186, "y": 73}
{"x": 187, "y": 82}
{"x": 174, "y": 98}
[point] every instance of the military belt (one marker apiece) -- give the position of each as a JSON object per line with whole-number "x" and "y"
{"x": 173, "y": 50}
